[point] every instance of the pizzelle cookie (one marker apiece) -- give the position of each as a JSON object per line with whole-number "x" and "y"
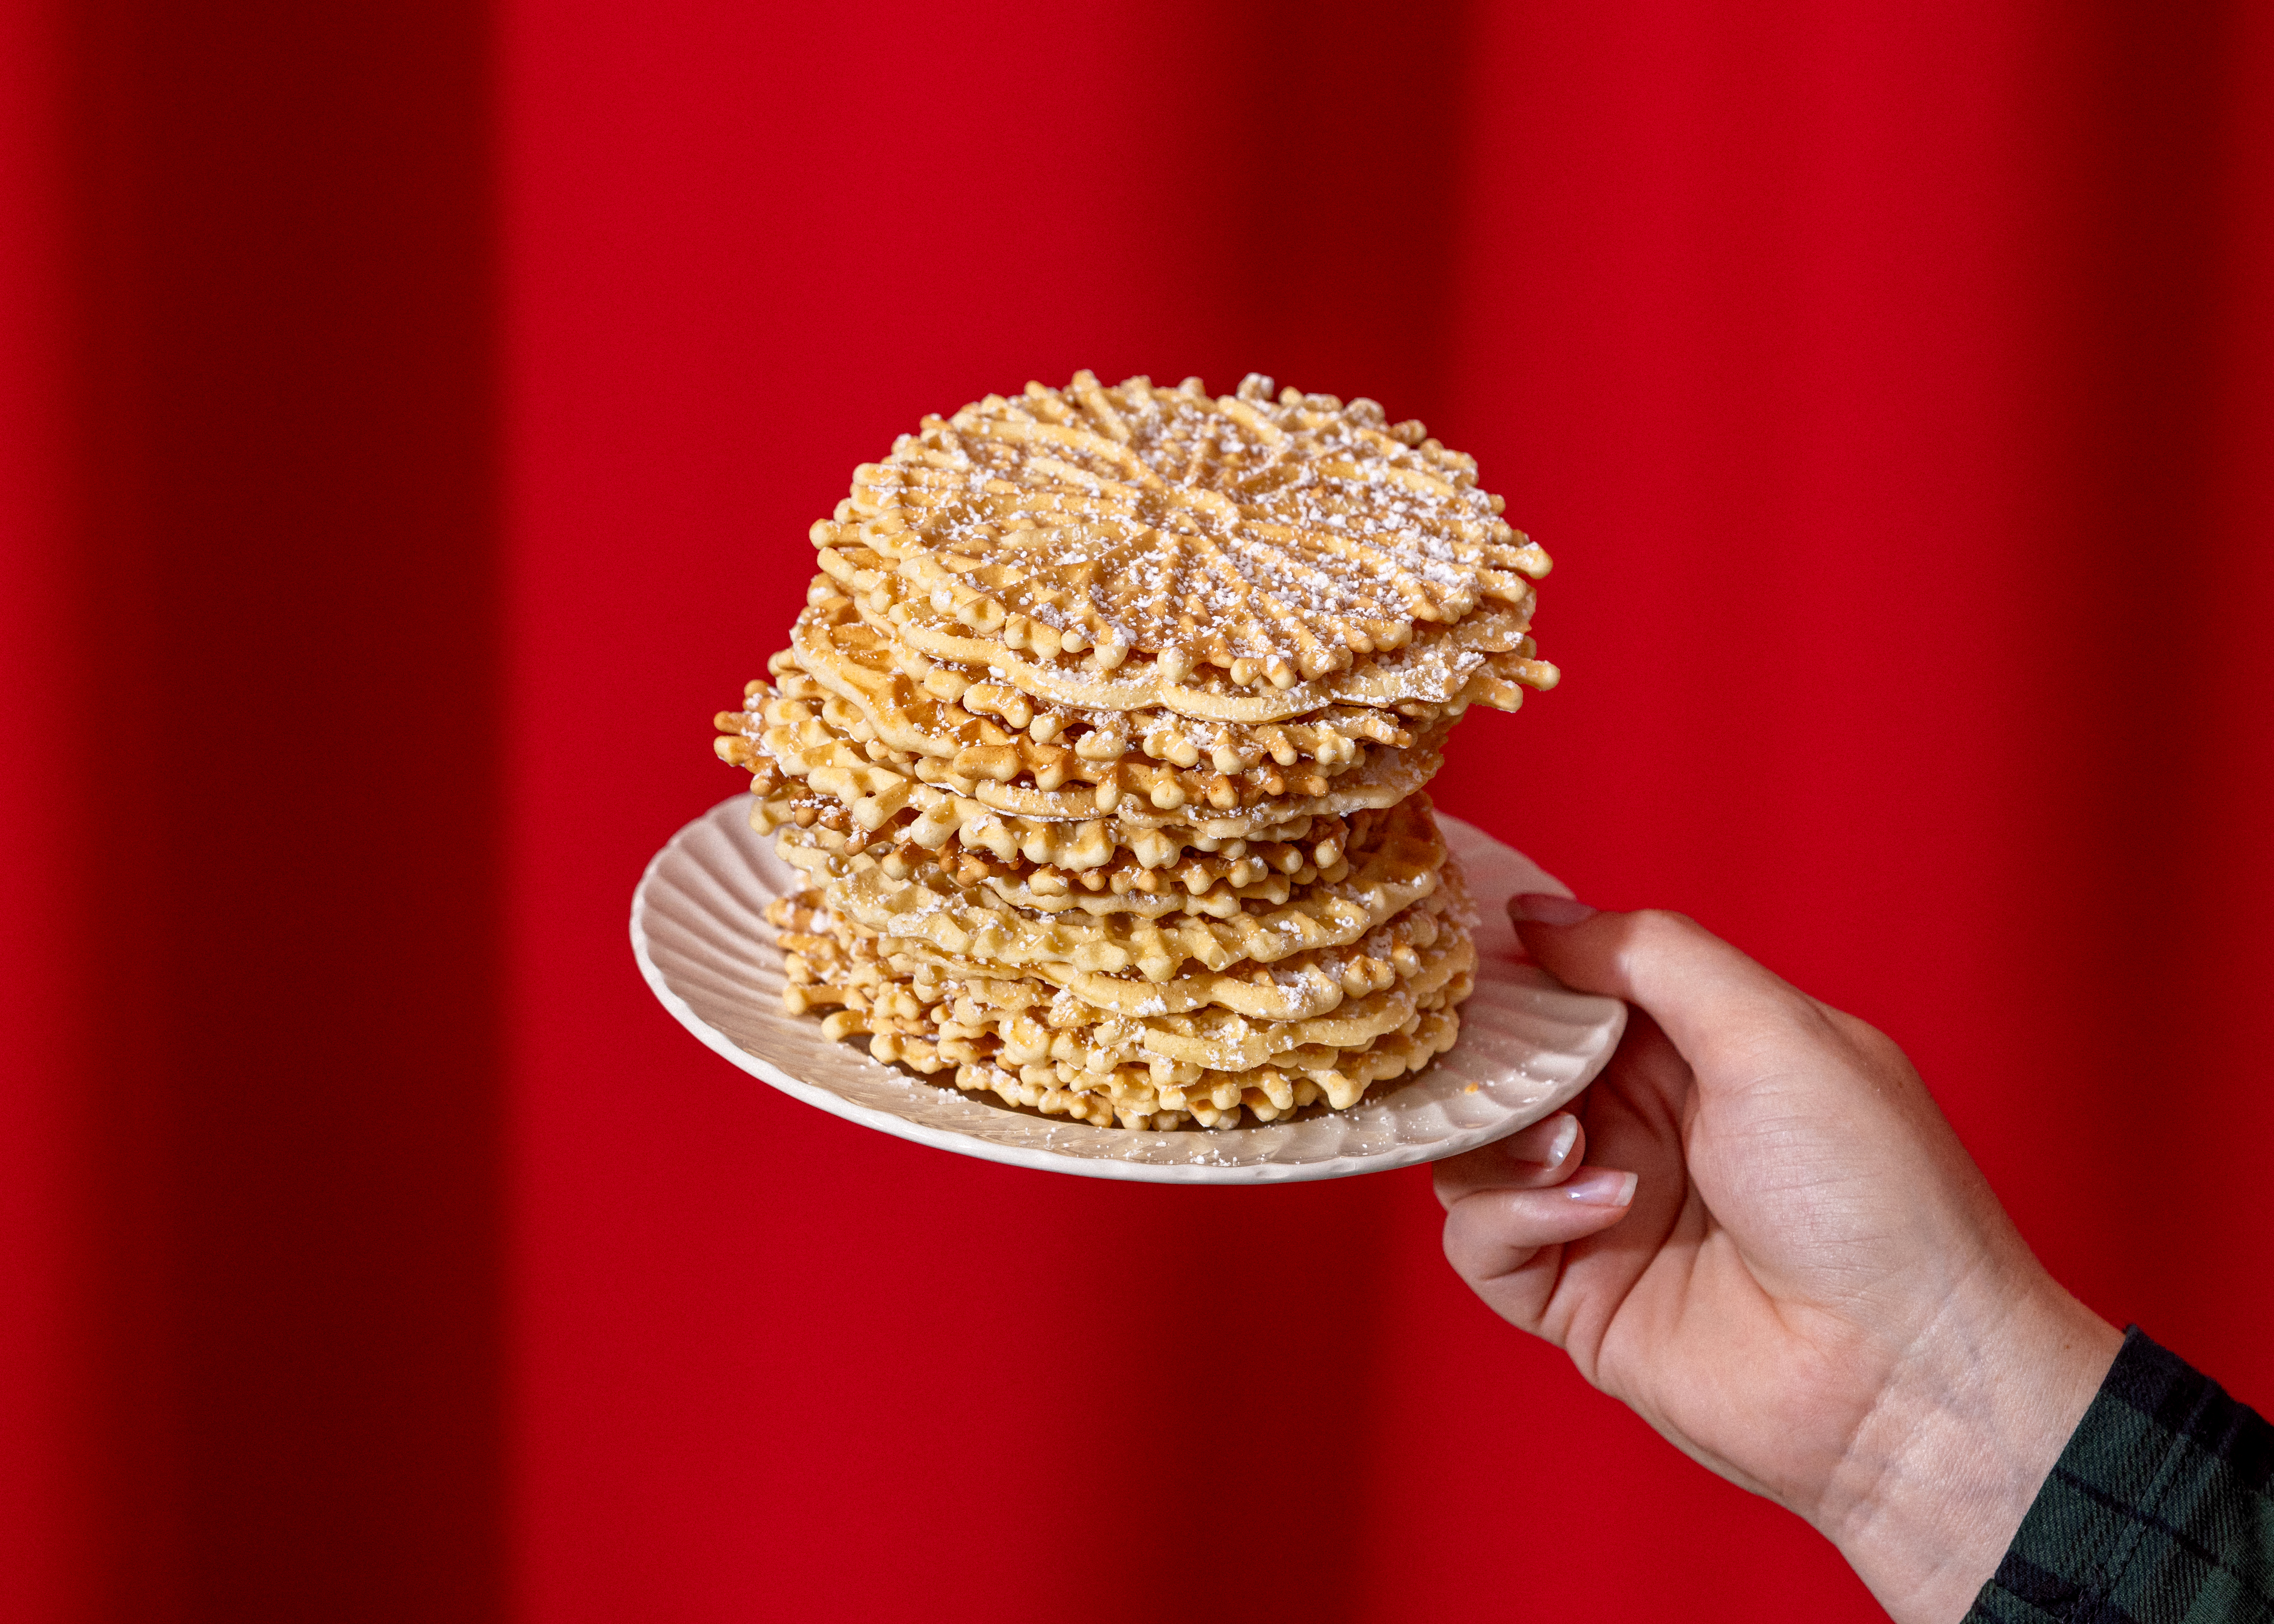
{"x": 1277, "y": 541}
{"x": 816, "y": 830}
{"x": 1401, "y": 869}
{"x": 1101, "y": 743}
{"x": 1199, "y": 1047}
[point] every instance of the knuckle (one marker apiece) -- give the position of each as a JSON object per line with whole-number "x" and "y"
{"x": 1653, "y": 935}
{"x": 1875, "y": 1047}
{"x": 1464, "y": 1247}
{"x": 1659, "y": 928}
{"x": 1479, "y": 1240}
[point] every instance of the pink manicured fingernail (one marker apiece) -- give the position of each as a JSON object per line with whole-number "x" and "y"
{"x": 1601, "y": 1187}
{"x": 1545, "y": 1144}
{"x": 1538, "y": 908}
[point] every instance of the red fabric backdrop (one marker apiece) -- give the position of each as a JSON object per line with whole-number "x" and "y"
{"x": 413, "y": 420}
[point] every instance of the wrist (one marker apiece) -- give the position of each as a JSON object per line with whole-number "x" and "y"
{"x": 1974, "y": 1415}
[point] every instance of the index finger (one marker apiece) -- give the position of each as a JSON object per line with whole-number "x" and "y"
{"x": 1532, "y": 1158}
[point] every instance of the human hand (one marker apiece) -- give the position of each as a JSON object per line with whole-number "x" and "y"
{"x": 1780, "y": 1256}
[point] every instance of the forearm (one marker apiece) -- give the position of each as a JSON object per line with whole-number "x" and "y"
{"x": 1942, "y": 1472}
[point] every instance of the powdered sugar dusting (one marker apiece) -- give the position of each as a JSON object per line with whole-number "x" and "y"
{"x": 1277, "y": 539}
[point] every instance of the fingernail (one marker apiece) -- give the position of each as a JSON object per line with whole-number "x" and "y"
{"x": 1545, "y": 1143}
{"x": 1537, "y": 907}
{"x": 1601, "y": 1187}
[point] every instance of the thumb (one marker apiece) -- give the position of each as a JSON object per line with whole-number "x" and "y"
{"x": 1711, "y": 1001}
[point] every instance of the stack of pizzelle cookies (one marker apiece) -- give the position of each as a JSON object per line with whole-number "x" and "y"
{"x": 1101, "y": 742}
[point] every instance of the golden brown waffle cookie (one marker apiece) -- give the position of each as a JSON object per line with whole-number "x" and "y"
{"x": 1278, "y": 541}
{"x": 1302, "y": 984}
{"x": 902, "y": 708}
{"x": 1178, "y": 1053}
{"x": 1198, "y": 883}
{"x": 1046, "y": 826}
{"x": 1134, "y": 1098}
{"x": 1074, "y": 851}
{"x": 1064, "y": 1058}
{"x": 1482, "y": 660}
{"x": 1067, "y": 1028}
{"x": 1402, "y": 868}
{"x": 1296, "y": 988}
{"x": 1131, "y": 1096}
{"x": 806, "y": 850}
{"x": 1214, "y": 883}
{"x": 851, "y": 578}
{"x": 1061, "y": 782}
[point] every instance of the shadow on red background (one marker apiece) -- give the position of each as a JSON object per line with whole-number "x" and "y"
{"x": 421, "y": 416}
{"x": 286, "y": 695}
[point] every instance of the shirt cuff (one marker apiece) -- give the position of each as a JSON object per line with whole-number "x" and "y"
{"x": 2158, "y": 1509}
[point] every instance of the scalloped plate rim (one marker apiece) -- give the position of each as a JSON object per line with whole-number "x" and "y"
{"x": 1459, "y": 833}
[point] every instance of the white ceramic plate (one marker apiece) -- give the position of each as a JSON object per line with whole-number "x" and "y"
{"x": 1527, "y": 1045}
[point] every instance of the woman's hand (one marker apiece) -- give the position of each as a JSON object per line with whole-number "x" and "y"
{"x": 1782, "y": 1257}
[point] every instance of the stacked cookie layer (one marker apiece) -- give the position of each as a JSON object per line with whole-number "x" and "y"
{"x": 1102, "y": 738}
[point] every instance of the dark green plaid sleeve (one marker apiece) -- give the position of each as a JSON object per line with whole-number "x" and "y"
{"x": 2158, "y": 1512}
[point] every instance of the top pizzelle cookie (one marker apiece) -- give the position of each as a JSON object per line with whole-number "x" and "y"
{"x": 1240, "y": 541}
